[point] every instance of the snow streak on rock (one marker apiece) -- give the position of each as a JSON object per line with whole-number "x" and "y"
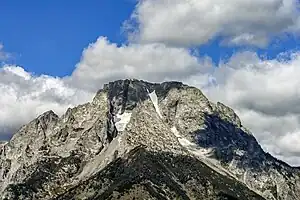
{"x": 154, "y": 100}
{"x": 122, "y": 120}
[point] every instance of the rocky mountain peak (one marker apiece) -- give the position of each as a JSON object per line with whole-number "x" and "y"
{"x": 126, "y": 94}
{"x": 149, "y": 136}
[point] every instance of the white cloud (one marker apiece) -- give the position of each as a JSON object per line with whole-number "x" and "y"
{"x": 103, "y": 61}
{"x": 195, "y": 22}
{"x": 25, "y": 96}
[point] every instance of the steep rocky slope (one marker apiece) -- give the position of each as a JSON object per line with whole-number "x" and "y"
{"x": 144, "y": 141}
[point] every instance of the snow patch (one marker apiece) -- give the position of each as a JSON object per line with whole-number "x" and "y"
{"x": 154, "y": 100}
{"x": 3, "y": 143}
{"x": 174, "y": 130}
{"x": 240, "y": 152}
{"x": 192, "y": 147}
{"x": 200, "y": 153}
{"x": 122, "y": 120}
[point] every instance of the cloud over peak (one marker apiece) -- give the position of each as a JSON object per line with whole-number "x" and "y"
{"x": 104, "y": 61}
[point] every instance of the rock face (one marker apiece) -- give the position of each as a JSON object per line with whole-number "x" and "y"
{"x": 139, "y": 140}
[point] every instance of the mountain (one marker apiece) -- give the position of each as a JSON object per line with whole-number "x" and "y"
{"x": 140, "y": 140}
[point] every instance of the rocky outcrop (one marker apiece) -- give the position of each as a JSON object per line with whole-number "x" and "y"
{"x": 142, "y": 140}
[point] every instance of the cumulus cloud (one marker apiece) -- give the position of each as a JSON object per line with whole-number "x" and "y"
{"x": 194, "y": 22}
{"x": 25, "y": 96}
{"x": 103, "y": 61}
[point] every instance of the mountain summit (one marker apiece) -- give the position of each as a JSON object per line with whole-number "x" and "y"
{"x": 140, "y": 140}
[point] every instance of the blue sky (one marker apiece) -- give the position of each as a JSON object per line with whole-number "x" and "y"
{"x": 47, "y": 37}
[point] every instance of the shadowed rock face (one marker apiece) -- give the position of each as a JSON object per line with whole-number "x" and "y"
{"x": 144, "y": 141}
